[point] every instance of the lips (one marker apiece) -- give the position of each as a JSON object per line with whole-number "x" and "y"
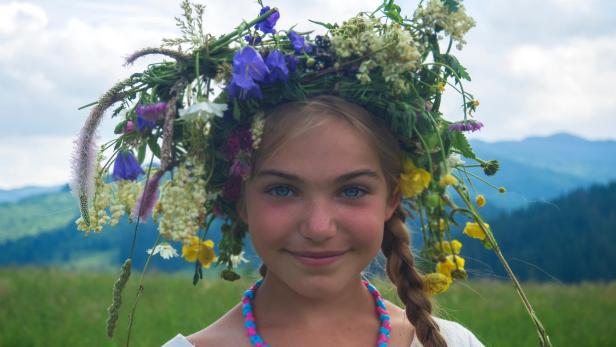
{"x": 316, "y": 259}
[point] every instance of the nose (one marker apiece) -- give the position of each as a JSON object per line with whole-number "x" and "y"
{"x": 318, "y": 224}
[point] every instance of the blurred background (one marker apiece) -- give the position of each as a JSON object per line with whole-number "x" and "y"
{"x": 544, "y": 73}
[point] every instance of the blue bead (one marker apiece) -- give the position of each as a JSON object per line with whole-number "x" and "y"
{"x": 250, "y": 324}
{"x": 255, "y": 339}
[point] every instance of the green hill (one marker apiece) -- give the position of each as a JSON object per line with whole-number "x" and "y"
{"x": 570, "y": 239}
{"x": 36, "y": 214}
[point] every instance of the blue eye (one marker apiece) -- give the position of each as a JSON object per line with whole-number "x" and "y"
{"x": 353, "y": 192}
{"x": 281, "y": 191}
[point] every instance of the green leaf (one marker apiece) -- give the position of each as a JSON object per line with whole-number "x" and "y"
{"x": 327, "y": 26}
{"x": 392, "y": 11}
{"x": 119, "y": 129}
{"x": 141, "y": 152}
{"x": 154, "y": 147}
{"x": 455, "y": 65}
{"x": 459, "y": 141}
{"x": 452, "y": 5}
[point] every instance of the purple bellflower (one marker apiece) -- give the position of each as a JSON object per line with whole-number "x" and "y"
{"x": 126, "y": 167}
{"x": 466, "y": 125}
{"x": 267, "y": 25}
{"x": 152, "y": 112}
{"x": 276, "y": 63}
{"x": 248, "y": 67}
{"x": 252, "y": 40}
{"x": 147, "y": 115}
{"x": 299, "y": 43}
{"x": 291, "y": 62}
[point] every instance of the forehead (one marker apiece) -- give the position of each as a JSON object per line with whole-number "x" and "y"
{"x": 330, "y": 148}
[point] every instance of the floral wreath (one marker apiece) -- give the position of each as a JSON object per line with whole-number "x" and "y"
{"x": 202, "y": 116}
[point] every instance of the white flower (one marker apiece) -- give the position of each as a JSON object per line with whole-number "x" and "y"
{"x": 455, "y": 160}
{"x": 203, "y": 109}
{"x": 166, "y": 251}
{"x": 237, "y": 259}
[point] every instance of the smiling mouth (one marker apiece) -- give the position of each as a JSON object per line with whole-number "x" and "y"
{"x": 317, "y": 259}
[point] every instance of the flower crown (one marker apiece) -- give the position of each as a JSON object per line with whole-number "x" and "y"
{"x": 202, "y": 115}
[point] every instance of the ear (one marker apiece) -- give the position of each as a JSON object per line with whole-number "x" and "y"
{"x": 392, "y": 204}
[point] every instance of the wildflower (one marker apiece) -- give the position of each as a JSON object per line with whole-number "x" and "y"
{"x": 474, "y": 230}
{"x": 436, "y": 283}
{"x": 277, "y": 65}
{"x": 291, "y": 62}
{"x": 454, "y": 160}
{"x": 440, "y": 87}
{"x": 241, "y": 166}
{"x": 182, "y": 201}
{"x": 448, "y": 180}
{"x": 203, "y": 110}
{"x": 144, "y": 125}
{"x": 441, "y": 224}
{"x": 490, "y": 167}
{"x": 466, "y": 125}
{"x": 151, "y": 112}
{"x": 252, "y": 40}
{"x": 239, "y": 140}
{"x": 450, "y": 247}
{"x": 237, "y": 259}
{"x": 248, "y": 67}
{"x": 256, "y": 130}
{"x": 299, "y": 43}
{"x": 147, "y": 198}
{"x": 126, "y": 167}
{"x": 130, "y": 127}
{"x": 450, "y": 264}
{"x": 413, "y": 180}
{"x": 267, "y": 25}
{"x": 501, "y": 189}
{"x": 480, "y": 200}
{"x": 197, "y": 249}
{"x": 165, "y": 250}
{"x": 475, "y": 103}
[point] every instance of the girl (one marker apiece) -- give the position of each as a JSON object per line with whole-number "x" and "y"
{"x": 321, "y": 200}
{"x": 311, "y": 144}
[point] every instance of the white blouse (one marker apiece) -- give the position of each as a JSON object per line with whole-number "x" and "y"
{"x": 454, "y": 333}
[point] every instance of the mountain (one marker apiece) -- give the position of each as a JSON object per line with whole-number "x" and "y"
{"x": 36, "y": 214}
{"x": 570, "y": 239}
{"x": 538, "y": 169}
{"x": 592, "y": 161}
{"x": 12, "y": 195}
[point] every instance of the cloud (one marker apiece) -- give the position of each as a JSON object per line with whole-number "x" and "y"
{"x": 41, "y": 160}
{"x": 569, "y": 87}
{"x": 537, "y": 67}
{"x": 20, "y": 16}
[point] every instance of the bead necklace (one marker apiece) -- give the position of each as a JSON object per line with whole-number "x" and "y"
{"x": 256, "y": 340}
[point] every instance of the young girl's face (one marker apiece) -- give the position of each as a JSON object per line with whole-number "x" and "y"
{"x": 316, "y": 208}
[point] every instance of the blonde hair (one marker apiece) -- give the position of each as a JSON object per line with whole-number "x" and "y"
{"x": 292, "y": 119}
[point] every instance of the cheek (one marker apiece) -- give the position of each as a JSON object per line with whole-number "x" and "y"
{"x": 365, "y": 225}
{"x": 269, "y": 223}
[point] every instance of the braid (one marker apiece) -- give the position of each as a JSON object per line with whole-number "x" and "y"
{"x": 409, "y": 284}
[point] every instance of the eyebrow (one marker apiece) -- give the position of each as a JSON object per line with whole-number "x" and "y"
{"x": 342, "y": 178}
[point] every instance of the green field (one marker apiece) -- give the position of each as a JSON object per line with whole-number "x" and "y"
{"x": 48, "y": 307}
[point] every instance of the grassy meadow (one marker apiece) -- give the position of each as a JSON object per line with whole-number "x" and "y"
{"x": 51, "y": 307}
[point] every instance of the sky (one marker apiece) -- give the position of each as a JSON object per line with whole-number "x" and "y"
{"x": 537, "y": 67}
